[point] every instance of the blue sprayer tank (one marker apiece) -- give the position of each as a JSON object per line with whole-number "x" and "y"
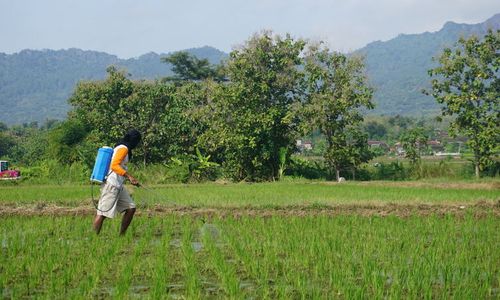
{"x": 101, "y": 166}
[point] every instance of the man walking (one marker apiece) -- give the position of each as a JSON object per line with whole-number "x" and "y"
{"x": 114, "y": 197}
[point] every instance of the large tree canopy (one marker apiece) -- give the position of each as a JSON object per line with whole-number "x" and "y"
{"x": 336, "y": 91}
{"x": 158, "y": 110}
{"x": 467, "y": 82}
{"x": 250, "y": 117}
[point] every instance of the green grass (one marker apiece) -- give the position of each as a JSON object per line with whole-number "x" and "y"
{"x": 259, "y": 195}
{"x": 262, "y": 258}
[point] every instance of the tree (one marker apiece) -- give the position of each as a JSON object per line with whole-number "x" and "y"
{"x": 25, "y": 145}
{"x": 359, "y": 150}
{"x": 336, "y": 89}
{"x": 7, "y": 142}
{"x": 188, "y": 67}
{"x": 413, "y": 141}
{"x": 467, "y": 83}
{"x": 64, "y": 140}
{"x": 375, "y": 130}
{"x": 3, "y": 127}
{"x": 96, "y": 104}
{"x": 250, "y": 117}
{"x": 160, "y": 111}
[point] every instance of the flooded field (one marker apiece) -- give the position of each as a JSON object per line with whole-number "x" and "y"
{"x": 252, "y": 257}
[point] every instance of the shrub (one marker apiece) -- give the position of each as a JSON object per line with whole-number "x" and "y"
{"x": 391, "y": 171}
{"x": 310, "y": 169}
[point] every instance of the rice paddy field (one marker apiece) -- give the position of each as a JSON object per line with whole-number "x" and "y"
{"x": 292, "y": 240}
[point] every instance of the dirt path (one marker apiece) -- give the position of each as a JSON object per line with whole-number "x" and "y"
{"x": 479, "y": 209}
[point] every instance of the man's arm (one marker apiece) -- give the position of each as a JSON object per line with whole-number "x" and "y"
{"x": 117, "y": 168}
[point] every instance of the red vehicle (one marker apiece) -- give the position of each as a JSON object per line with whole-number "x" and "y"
{"x": 6, "y": 173}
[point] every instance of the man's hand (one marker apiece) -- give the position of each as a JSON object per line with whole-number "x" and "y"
{"x": 132, "y": 180}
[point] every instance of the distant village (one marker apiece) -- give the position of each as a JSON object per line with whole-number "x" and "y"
{"x": 441, "y": 145}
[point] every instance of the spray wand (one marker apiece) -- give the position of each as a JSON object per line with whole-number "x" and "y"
{"x": 151, "y": 191}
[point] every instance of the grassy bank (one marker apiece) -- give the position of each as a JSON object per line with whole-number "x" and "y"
{"x": 266, "y": 194}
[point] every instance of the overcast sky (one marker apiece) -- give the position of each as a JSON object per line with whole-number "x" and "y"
{"x": 129, "y": 28}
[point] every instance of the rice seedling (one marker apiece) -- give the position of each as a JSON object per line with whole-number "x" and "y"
{"x": 318, "y": 257}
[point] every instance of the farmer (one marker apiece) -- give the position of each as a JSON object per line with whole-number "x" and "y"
{"x": 114, "y": 197}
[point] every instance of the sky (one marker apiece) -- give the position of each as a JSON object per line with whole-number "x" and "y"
{"x": 130, "y": 28}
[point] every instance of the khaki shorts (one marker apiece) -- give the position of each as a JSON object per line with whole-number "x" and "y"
{"x": 113, "y": 200}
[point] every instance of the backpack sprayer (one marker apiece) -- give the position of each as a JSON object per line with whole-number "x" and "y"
{"x": 101, "y": 172}
{"x": 101, "y": 166}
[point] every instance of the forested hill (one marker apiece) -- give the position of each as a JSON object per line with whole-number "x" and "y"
{"x": 398, "y": 67}
{"x": 35, "y": 85}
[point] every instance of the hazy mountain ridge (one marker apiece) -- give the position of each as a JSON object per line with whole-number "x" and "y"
{"x": 398, "y": 67}
{"x": 35, "y": 84}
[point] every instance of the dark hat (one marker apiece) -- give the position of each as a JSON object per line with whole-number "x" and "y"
{"x": 132, "y": 138}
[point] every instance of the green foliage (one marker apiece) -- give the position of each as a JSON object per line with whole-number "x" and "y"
{"x": 413, "y": 142}
{"x": 282, "y": 162}
{"x": 390, "y": 129}
{"x": 26, "y": 144}
{"x": 175, "y": 171}
{"x": 179, "y": 169}
{"x": 492, "y": 169}
{"x": 202, "y": 168}
{"x": 51, "y": 171}
{"x": 250, "y": 118}
{"x": 377, "y": 151}
{"x": 96, "y": 104}
{"x": 3, "y": 127}
{"x": 188, "y": 67}
{"x": 392, "y": 171}
{"x": 375, "y": 130}
{"x": 426, "y": 170}
{"x": 467, "y": 83}
{"x": 336, "y": 91}
{"x": 64, "y": 141}
{"x": 306, "y": 168}
{"x": 7, "y": 142}
{"x": 159, "y": 111}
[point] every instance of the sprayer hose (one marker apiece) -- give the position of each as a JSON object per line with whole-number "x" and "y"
{"x": 97, "y": 203}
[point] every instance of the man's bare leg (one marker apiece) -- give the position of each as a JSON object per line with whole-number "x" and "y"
{"x": 98, "y": 223}
{"x": 127, "y": 218}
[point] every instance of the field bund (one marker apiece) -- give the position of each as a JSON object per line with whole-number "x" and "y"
{"x": 298, "y": 198}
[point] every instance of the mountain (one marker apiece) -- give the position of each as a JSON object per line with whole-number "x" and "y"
{"x": 398, "y": 68}
{"x": 36, "y": 84}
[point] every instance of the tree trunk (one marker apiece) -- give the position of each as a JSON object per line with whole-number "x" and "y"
{"x": 337, "y": 174}
{"x": 476, "y": 164}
